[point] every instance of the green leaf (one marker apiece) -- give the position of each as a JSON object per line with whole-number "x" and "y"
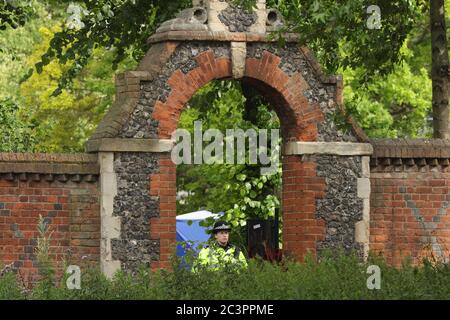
{"x": 39, "y": 66}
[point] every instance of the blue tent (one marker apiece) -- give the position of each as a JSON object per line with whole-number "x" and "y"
{"x": 193, "y": 232}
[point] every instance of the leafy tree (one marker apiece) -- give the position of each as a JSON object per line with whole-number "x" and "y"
{"x": 396, "y": 105}
{"x": 15, "y": 135}
{"x": 340, "y": 34}
{"x": 384, "y": 106}
{"x": 323, "y": 24}
{"x": 399, "y": 104}
{"x": 122, "y": 24}
{"x": 16, "y": 44}
{"x": 65, "y": 122}
{"x": 14, "y": 13}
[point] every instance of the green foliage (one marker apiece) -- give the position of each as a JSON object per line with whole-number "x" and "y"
{"x": 398, "y": 104}
{"x": 36, "y": 121}
{"x": 334, "y": 276}
{"x": 45, "y": 287}
{"x": 15, "y": 13}
{"x": 83, "y": 104}
{"x": 121, "y": 24}
{"x": 90, "y": 38}
{"x": 340, "y": 37}
{"x": 15, "y": 134}
{"x": 326, "y": 26}
{"x": 239, "y": 189}
{"x": 16, "y": 44}
{"x": 246, "y": 4}
{"x": 9, "y": 286}
{"x": 15, "y": 47}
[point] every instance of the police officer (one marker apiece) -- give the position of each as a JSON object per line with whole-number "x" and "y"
{"x": 221, "y": 254}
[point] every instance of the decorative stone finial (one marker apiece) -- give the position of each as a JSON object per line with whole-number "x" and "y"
{"x": 224, "y": 16}
{"x": 192, "y": 19}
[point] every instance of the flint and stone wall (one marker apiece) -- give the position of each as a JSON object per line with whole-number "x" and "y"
{"x": 306, "y": 102}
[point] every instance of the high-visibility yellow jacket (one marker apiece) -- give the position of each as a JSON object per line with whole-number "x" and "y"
{"x": 216, "y": 257}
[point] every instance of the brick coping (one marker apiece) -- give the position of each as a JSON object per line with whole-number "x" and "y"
{"x": 48, "y": 157}
{"x": 33, "y": 165}
{"x": 411, "y": 148}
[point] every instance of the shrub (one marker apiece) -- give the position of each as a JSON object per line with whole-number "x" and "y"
{"x": 337, "y": 276}
{"x": 9, "y": 285}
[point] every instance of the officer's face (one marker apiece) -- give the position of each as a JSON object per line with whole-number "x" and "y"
{"x": 222, "y": 237}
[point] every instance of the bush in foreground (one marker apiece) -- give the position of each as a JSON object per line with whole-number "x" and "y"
{"x": 340, "y": 277}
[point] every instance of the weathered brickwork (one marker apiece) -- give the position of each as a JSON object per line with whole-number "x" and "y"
{"x": 410, "y": 200}
{"x": 68, "y": 203}
{"x": 312, "y": 103}
{"x": 302, "y": 189}
{"x": 163, "y": 227}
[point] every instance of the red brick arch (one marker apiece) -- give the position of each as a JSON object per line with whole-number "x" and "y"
{"x": 298, "y": 117}
{"x": 299, "y": 120}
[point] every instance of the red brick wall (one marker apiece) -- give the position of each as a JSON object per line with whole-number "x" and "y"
{"x": 72, "y": 211}
{"x": 408, "y": 209}
{"x": 410, "y": 197}
{"x": 301, "y": 189}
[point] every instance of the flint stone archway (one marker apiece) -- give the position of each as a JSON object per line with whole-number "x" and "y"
{"x": 325, "y": 199}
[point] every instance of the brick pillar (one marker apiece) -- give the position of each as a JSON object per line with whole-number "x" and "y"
{"x": 301, "y": 188}
{"x": 163, "y": 186}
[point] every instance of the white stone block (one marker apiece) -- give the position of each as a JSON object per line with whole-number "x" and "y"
{"x": 363, "y": 187}
{"x": 217, "y": 26}
{"x": 332, "y": 148}
{"x": 106, "y": 161}
{"x": 365, "y": 161}
{"x": 108, "y": 185}
{"x": 366, "y": 209}
{"x": 238, "y": 55}
{"x": 109, "y": 268}
{"x": 362, "y": 231}
{"x": 110, "y": 227}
